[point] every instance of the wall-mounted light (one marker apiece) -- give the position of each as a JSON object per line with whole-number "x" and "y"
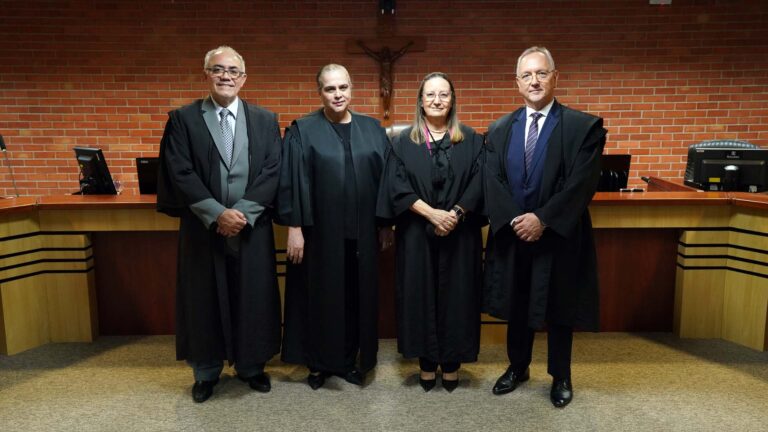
{"x": 387, "y": 7}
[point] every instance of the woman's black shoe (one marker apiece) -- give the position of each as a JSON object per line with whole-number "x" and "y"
{"x": 427, "y": 384}
{"x": 450, "y": 385}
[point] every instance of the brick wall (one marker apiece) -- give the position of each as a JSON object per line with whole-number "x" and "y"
{"x": 104, "y": 73}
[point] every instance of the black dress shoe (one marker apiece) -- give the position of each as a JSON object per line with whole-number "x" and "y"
{"x": 510, "y": 380}
{"x": 561, "y": 393}
{"x": 450, "y": 385}
{"x": 316, "y": 380}
{"x": 354, "y": 377}
{"x": 259, "y": 382}
{"x": 427, "y": 384}
{"x": 202, "y": 390}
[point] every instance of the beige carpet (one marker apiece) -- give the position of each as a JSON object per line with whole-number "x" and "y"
{"x": 623, "y": 382}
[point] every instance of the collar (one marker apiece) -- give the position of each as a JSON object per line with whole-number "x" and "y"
{"x": 544, "y": 111}
{"x": 232, "y": 107}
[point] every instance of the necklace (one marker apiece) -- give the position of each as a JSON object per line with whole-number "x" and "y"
{"x": 438, "y": 131}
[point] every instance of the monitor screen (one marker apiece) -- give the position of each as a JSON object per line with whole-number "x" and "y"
{"x": 727, "y": 169}
{"x": 94, "y": 174}
{"x": 614, "y": 172}
{"x": 147, "y": 169}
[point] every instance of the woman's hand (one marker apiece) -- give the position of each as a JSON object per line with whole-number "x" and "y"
{"x": 443, "y": 221}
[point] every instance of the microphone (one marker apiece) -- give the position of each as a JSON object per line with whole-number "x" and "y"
{"x": 8, "y": 164}
{"x": 646, "y": 179}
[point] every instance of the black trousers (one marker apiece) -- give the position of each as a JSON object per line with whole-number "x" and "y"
{"x": 520, "y": 336}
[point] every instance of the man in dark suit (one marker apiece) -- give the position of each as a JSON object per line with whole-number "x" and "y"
{"x": 543, "y": 165}
{"x": 220, "y": 160}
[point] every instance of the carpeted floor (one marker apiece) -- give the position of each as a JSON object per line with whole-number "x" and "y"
{"x": 623, "y": 382}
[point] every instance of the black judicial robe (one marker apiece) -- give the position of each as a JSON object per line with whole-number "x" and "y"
{"x": 438, "y": 279}
{"x": 564, "y": 287}
{"x": 215, "y": 321}
{"x": 311, "y": 195}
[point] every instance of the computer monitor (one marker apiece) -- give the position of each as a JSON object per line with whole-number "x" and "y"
{"x": 94, "y": 174}
{"x": 614, "y": 172}
{"x": 727, "y": 169}
{"x": 146, "y": 170}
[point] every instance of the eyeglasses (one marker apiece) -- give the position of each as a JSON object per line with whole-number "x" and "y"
{"x": 444, "y": 96}
{"x": 219, "y": 71}
{"x": 542, "y": 76}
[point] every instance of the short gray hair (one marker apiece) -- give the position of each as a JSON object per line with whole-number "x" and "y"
{"x": 220, "y": 50}
{"x": 536, "y": 49}
{"x": 330, "y": 68}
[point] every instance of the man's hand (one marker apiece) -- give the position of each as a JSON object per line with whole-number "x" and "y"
{"x": 386, "y": 237}
{"x": 528, "y": 227}
{"x": 295, "y": 245}
{"x": 230, "y": 222}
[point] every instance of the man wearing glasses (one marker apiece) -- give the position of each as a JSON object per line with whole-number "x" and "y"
{"x": 543, "y": 165}
{"x": 220, "y": 159}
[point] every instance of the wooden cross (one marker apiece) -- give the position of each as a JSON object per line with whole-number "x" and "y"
{"x": 380, "y": 50}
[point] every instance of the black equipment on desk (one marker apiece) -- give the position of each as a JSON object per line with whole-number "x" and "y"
{"x": 727, "y": 166}
{"x": 94, "y": 173}
{"x": 614, "y": 172}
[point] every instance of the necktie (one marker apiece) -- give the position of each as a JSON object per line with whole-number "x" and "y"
{"x": 530, "y": 143}
{"x": 226, "y": 134}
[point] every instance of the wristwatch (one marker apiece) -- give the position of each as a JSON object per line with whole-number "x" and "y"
{"x": 459, "y": 212}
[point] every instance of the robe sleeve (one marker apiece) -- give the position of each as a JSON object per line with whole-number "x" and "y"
{"x": 181, "y": 186}
{"x": 565, "y": 208}
{"x": 294, "y": 201}
{"x": 396, "y": 195}
{"x": 260, "y": 192}
{"x": 471, "y": 199}
{"x": 499, "y": 202}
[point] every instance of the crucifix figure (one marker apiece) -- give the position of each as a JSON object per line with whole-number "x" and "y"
{"x": 386, "y": 58}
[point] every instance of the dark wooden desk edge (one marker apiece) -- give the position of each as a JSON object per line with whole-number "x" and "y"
{"x": 59, "y": 202}
{"x": 744, "y": 199}
{"x": 21, "y": 204}
{"x": 656, "y": 184}
{"x": 659, "y": 198}
{"x": 148, "y": 202}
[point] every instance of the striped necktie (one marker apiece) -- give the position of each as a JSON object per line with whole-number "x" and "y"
{"x": 227, "y": 135}
{"x": 530, "y": 143}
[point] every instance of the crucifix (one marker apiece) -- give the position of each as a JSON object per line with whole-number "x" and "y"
{"x": 386, "y": 59}
{"x": 386, "y": 49}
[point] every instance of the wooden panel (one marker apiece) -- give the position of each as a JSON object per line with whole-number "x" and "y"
{"x": 135, "y": 278}
{"x": 106, "y": 219}
{"x": 636, "y": 270}
{"x": 701, "y": 294}
{"x": 493, "y": 332}
{"x": 744, "y": 311}
{"x": 17, "y": 223}
{"x": 25, "y": 314}
{"x": 706, "y": 237}
{"x": 71, "y": 306}
{"x": 640, "y": 216}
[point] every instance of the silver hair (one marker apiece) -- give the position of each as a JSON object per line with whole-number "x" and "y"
{"x": 536, "y": 49}
{"x": 220, "y": 50}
